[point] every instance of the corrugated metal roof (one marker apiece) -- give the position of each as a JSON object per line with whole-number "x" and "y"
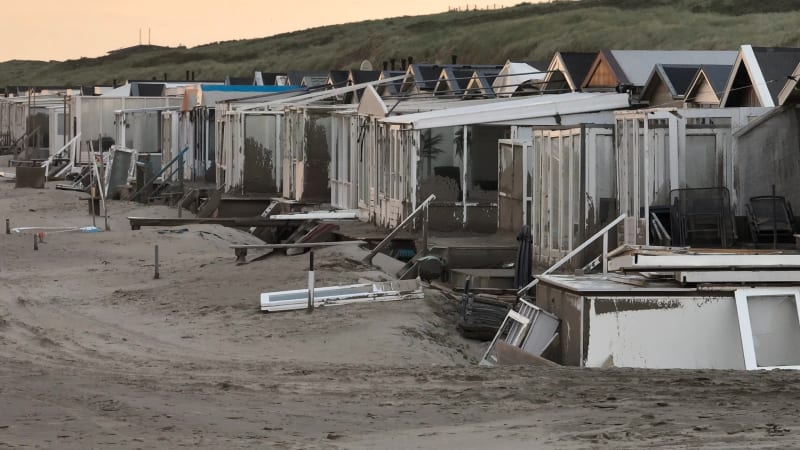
{"x": 637, "y": 65}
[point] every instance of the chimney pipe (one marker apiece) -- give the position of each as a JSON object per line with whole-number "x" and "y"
{"x": 454, "y": 59}
{"x": 410, "y": 60}
{"x": 385, "y": 65}
{"x": 402, "y": 64}
{"x": 394, "y": 63}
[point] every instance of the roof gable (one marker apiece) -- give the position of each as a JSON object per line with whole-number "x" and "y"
{"x": 746, "y": 85}
{"x": 567, "y": 70}
{"x": 790, "y": 94}
{"x": 603, "y": 73}
{"x": 708, "y": 85}
{"x": 776, "y": 65}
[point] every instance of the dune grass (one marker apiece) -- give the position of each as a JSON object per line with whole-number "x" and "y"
{"x": 523, "y": 32}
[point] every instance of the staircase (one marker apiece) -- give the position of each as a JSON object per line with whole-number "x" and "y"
{"x": 166, "y": 186}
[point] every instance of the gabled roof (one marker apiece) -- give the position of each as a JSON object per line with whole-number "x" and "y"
{"x": 715, "y": 76}
{"x": 570, "y": 68}
{"x": 765, "y": 69}
{"x": 423, "y": 76}
{"x": 295, "y": 77}
{"x": 790, "y": 94}
{"x": 238, "y": 81}
{"x": 391, "y": 88}
{"x": 514, "y": 76}
{"x": 480, "y": 85}
{"x": 453, "y": 81}
{"x": 633, "y": 67}
{"x": 363, "y": 76}
{"x": 266, "y": 78}
{"x": 337, "y": 78}
{"x": 147, "y": 89}
{"x": 675, "y": 77}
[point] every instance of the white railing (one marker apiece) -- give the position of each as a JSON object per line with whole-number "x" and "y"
{"x": 422, "y": 207}
{"x": 72, "y": 146}
{"x": 602, "y": 233}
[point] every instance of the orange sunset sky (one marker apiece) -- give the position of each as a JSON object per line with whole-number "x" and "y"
{"x": 65, "y": 29}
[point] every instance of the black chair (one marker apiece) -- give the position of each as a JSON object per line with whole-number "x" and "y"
{"x": 701, "y": 217}
{"x": 768, "y": 216}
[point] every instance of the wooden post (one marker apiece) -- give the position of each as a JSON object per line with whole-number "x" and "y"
{"x": 156, "y": 275}
{"x": 310, "y": 282}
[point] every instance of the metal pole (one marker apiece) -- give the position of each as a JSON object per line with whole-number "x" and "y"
{"x": 180, "y": 184}
{"x": 310, "y": 282}
{"x": 774, "y": 220}
{"x": 425, "y": 229}
{"x": 91, "y": 198}
{"x": 156, "y": 274}
{"x": 605, "y": 254}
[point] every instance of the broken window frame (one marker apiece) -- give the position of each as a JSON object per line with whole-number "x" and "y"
{"x": 743, "y": 311}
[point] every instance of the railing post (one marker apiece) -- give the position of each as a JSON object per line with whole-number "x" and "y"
{"x": 578, "y": 249}
{"x": 406, "y": 221}
{"x": 605, "y": 253}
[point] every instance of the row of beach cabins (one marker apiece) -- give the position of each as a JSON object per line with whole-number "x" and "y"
{"x": 680, "y": 146}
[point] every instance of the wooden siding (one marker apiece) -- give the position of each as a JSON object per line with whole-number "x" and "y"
{"x": 602, "y": 76}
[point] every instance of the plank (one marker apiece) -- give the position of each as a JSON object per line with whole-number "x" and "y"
{"x": 138, "y": 222}
{"x": 295, "y": 245}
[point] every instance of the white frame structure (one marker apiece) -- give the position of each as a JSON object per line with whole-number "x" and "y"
{"x": 743, "y": 311}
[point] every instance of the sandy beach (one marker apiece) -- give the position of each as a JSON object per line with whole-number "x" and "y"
{"x": 95, "y": 353}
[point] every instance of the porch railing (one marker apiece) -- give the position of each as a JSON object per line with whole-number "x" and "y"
{"x": 72, "y": 147}
{"x": 178, "y": 159}
{"x": 422, "y": 207}
{"x": 602, "y": 233}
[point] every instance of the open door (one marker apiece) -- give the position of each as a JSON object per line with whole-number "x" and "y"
{"x": 514, "y": 199}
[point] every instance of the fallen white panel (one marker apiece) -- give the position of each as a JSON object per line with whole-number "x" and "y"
{"x": 749, "y": 339}
{"x": 318, "y": 215}
{"x": 340, "y": 295}
{"x": 542, "y": 333}
{"x": 739, "y": 276}
{"x": 638, "y": 262}
{"x": 532, "y": 329}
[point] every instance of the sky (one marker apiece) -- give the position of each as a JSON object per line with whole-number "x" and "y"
{"x": 60, "y": 29}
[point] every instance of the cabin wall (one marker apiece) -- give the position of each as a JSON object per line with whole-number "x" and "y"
{"x": 571, "y": 344}
{"x": 661, "y": 150}
{"x": 562, "y": 184}
{"x": 345, "y": 151}
{"x": 13, "y": 119}
{"x": 95, "y": 119}
{"x": 664, "y": 332}
{"x": 767, "y": 155}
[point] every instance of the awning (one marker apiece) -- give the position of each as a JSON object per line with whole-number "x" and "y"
{"x": 502, "y": 111}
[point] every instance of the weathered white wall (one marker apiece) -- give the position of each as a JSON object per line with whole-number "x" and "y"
{"x": 766, "y": 155}
{"x": 665, "y": 333}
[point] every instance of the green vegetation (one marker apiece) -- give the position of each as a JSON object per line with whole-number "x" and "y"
{"x": 523, "y": 32}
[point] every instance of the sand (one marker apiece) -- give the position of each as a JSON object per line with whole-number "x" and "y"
{"x": 95, "y": 353}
